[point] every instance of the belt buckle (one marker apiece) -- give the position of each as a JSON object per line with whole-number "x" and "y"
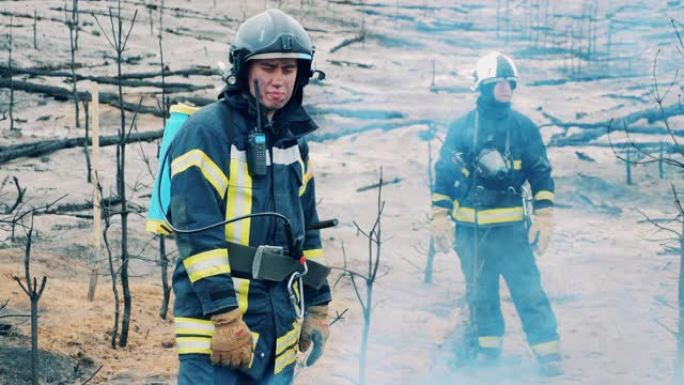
{"x": 259, "y": 257}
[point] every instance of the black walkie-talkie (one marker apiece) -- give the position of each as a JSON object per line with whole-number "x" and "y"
{"x": 256, "y": 146}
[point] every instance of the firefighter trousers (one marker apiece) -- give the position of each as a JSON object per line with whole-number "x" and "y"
{"x": 503, "y": 250}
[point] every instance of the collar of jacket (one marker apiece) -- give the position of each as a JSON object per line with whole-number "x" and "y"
{"x": 291, "y": 121}
{"x": 492, "y": 109}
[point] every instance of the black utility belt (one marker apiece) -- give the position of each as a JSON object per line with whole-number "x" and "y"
{"x": 270, "y": 263}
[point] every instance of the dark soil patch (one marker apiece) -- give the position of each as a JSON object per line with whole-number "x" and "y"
{"x": 15, "y": 364}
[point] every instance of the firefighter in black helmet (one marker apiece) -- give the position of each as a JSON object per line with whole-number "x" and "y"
{"x": 237, "y": 325}
{"x": 487, "y": 157}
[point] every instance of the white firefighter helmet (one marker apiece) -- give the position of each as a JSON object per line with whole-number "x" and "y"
{"x": 493, "y": 67}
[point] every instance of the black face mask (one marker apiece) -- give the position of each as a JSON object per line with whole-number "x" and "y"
{"x": 487, "y": 98}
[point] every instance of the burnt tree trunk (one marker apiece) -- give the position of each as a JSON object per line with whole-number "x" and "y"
{"x": 121, "y": 187}
{"x": 11, "y": 80}
{"x": 72, "y": 48}
{"x": 679, "y": 364}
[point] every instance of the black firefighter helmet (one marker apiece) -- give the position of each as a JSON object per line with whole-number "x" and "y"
{"x": 270, "y": 35}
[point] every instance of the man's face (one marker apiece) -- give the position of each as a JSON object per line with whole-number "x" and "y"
{"x": 276, "y": 81}
{"x": 503, "y": 92}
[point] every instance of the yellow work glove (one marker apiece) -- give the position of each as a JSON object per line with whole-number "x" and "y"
{"x": 315, "y": 329}
{"x": 542, "y": 229}
{"x": 231, "y": 344}
{"x": 442, "y": 229}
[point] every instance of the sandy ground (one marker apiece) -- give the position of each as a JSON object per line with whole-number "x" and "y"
{"x": 610, "y": 282}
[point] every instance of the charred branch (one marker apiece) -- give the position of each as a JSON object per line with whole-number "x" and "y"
{"x": 356, "y": 39}
{"x": 44, "y": 147}
{"x": 396, "y": 180}
{"x": 18, "y": 200}
{"x": 34, "y": 291}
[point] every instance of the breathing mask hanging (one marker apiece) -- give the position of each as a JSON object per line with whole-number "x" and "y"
{"x": 491, "y": 164}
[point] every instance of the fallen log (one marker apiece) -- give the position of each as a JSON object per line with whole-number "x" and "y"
{"x": 598, "y": 129}
{"x": 192, "y": 71}
{"x": 108, "y": 98}
{"x": 44, "y": 147}
{"x": 344, "y": 63}
{"x": 583, "y": 156}
{"x": 168, "y": 87}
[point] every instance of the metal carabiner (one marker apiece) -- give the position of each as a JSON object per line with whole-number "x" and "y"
{"x": 299, "y": 307}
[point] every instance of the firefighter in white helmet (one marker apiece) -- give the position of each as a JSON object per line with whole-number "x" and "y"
{"x": 487, "y": 157}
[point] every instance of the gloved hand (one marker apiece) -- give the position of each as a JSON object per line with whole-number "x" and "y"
{"x": 231, "y": 344}
{"x": 442, "y": 229}
{"x": 315, "y": 329}
{"x": 541, "y": 229}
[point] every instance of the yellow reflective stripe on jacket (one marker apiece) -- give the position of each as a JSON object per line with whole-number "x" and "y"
{"x": 517, "y": 164}
{"x": 241, "y": 287}
{"x": 211, "y": 172}
{"x": 193, "y": 345}
{"x": 239, "y": 197}
{"x": 194, "y": 326}
{"x": 288, "y": 339}
{"x": 440, "y": 198}
{"x": 183, "y": 109}
{"x": 489, "y": 216}
{"x": 207, "y": 264}
{"x": 546, "y": 348}
{"x": 315, "y": 255}
{"x": 286, "y": 359}
{"x": 490, "y": 342}
{"x": 286, "y": 348}
{"x": 193, "y": 335}
{"x": 157, "y": 227}
{"x": 308, "y": 176}
{"x": 544, "y": 195}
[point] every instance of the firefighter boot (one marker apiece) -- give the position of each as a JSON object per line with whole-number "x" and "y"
{"x": 550, "y": 365}
{"x": 489, "y": 350}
